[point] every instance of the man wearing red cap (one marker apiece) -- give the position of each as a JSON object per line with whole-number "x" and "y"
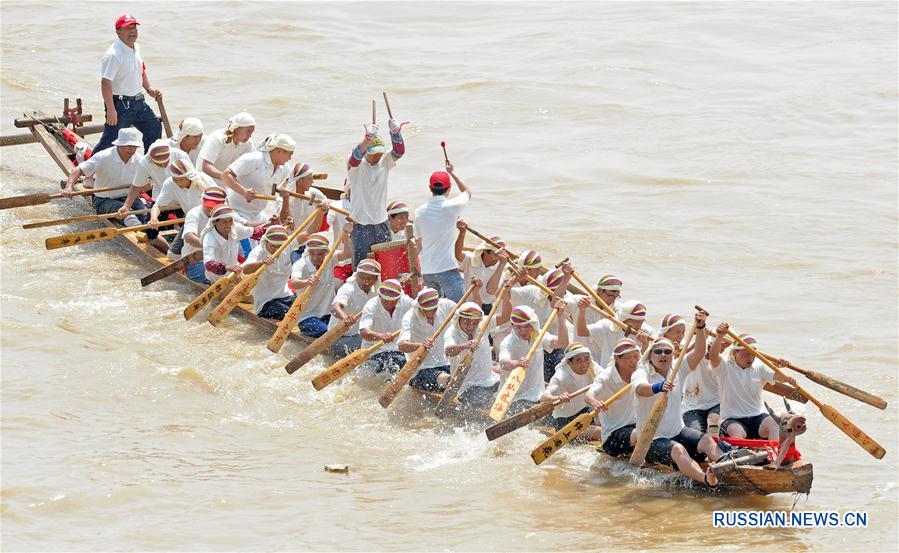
{"x": 123, "y": 74}
{"x": 435, "y": 229}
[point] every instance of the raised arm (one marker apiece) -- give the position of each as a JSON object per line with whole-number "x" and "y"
{"x": 562, "y": 339}
{"x": 463, "y": 188}
{"x": 358, "y": 153}
{"x": 694, "y": 358}
{"x": 497, "y": 276}
{"x": 396, "y": 139}
{"x": 718, "y": 345}
{"x": 460, "y": 241}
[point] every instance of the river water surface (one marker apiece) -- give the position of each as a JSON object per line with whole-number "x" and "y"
{"x": 738, "y": 155}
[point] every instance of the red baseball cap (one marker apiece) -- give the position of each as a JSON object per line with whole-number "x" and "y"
{"x": 125, "y": 21}
{"x": 440, "y": 180}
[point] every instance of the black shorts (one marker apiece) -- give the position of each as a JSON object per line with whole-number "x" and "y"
{"x": 660, "y": 450}
{"x": 698, "y": 419}
{"x": 750, "y": 425}
{"x": 560, "y": 422}
{"x": 479, "y": 397}
{"x": 426, "y": 379}
{"x": 550, "y": 360}
{"x": 390, "y": 361}
{"x": 619, "y": 441}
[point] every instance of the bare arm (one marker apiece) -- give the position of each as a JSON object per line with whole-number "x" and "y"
{"x": 74, "y": 175}
{"x": 718, "y": 345}
{"x": 112, "y": 116}
{"x": 695, "y": 356}
{"x": 496, "y": 277}
{"x": 210, "y": 170}
{"x": 562, "y": 338}
{"x": 463, "y": 188}
{"x": 192, "y": 239}
{"x": 460, "y": 241}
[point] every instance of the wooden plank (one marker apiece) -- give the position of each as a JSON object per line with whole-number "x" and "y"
{"x": 28, "y": 122}
{"x": 53, "y": 148}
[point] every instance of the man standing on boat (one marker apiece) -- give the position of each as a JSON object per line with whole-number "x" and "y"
{"x": 369, "y": 166}
{"x": 435, "y": 229}
{"x": 123, "y": 75}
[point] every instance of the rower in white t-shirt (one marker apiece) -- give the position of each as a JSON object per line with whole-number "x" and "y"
{"x": 742, "y": 376}
{"x": 482, "y": 381}
{"x": 194, "y": 222}
{"x": 576, "y": 371}
{"x": 397, "y": 218}
{"x": 271, "y": 296}
{"x": 485, "y": 263}
{"x": 313, "y": 321}
{"x": 258, "y": 172}
{"x": 419, "y": 325}
{"x": 221, "y": 242}
{"x": 435, "y": 230}
{"x": 189, "y": 138}
{"x": 601, "y": 336}
{"x": 286, "y": 206}
{"x": 382, "y": 316}
{"x": 223, "y": 146}
{"x": 350, "y": 299}
{"x": 618, "y": 420}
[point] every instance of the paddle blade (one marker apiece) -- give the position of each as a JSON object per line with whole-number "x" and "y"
{"x": 854, "y": 432}
{"x": 785, "y": 390}
{"x": 321, "y": 343}
{"x": 79, "y": 238}
{"x": 402, "y": 378}
{"x": 520, "y": 420}
{"x": 568, "y": 432}
{"x": 507, "y": 394}
{"x": 846, "y": 389}
{"x": 208, "y": 296}
{"x": 172, "y": 268}
{"x": 644, "y": 440}
{"x": 340, "y": 368}
{"x": 233, "y": 298}
{"x": 22, "y": 201}
{"x": 290, "y": 320}
{"x": 452, "y": 388}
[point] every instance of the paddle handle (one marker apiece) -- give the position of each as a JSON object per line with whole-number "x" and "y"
{"x": 303, "y": 197}
{"x": 89, "y": 191}
{"x": 387, "y": 103}
{"x": 81, "y": 219}
{"x": 347, "y": 364}
{"x": 321, "y": 343}
{"x": 536, "y": 344}
{"x": 164, "y": 117}
{"x": 209, "y": 295}
{"x": 374, "y": 113}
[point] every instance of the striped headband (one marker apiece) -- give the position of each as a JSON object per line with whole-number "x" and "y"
{"x": 300, "y": 170}
{"x": 625, "y": 345}
{"x": 531, "y": 259}
{"x": 390, "y": 290}
{"x": 471, "y": 310}
{"x": 427, "y": 299}
{"x": 496, "y": 239}
{"x": 182, "y": 168}
{"x": 222, "y": 212}
{"x": 670, "y": 321}
{"x": 276, "y": 235}
{"x": 662, "y": 342}
{"x": 215, "y": 194}
{"x": 369, "y": 267}
{"x": 753, "y": 343}
{"x": 520, "y": 317}
{"x": 160, "y": 154}
{"x": 574, "y": 349}
{"x": 609, "y": 282}
{"x": 395, "y": 208}
{"x": 633, "y": 310}
{"x": 317, "y": 242}
{"x": 553, "y": 278}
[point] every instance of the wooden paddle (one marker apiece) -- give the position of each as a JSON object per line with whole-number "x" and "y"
{"x": 461, "y": 372}
{"x": 209, "y": 295}
{"x": 648, "y": 432}
{"x": 322, "y": 343}
{"x": 292, "y": 317}
{"x": 164, "y": 117}
{"x": 347, "y": 364}
{"x": 833, "y": 384}
{"x": 526, "y": 417}
{"x": 84, "y": 218}
{"x": 845, "y": 425}
{"x": 386, "y": 103}
{"x": 412, "y": 254}
{"x": 506, "y": 395}
{"x": 302, "y": 197}
{"x": 98, "y": 235}
{"x": 406, "y": 373}
{"x": 571, "y": 430}
{"x": 43, "y": 197}
{"x": 172, "y": 268}
{"x": 374, "y": 113}
{"x": 249, "y": 281}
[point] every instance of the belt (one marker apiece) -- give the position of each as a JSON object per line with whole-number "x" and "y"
{"x": 135, "y": 98}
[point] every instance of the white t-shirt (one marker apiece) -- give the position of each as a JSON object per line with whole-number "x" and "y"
{"x": 435, "y": 225}
{"x": 147, "y": 170}
{"x": 623, "y": 411}
{"x": 672, "y": 421}
{"x": 272, "y": 283}
{"x": 221, "y": 155}
{"x": 376, "y": 319}
{"x": 700, "y": 387}
{"x": 187, "y": 198}
{"x": 107, "y": 169}
{"x": 741, "y": 389}
{"x": 394, "y": 236}
{"x": 194, "y": 154}
{"x": 603, "y": 335}
{"x": 471, "y": 270}
{"x": 299, "y": 209}
{"x": 566, "y": 381}
{"x": 194, "y": 221}
{"x": 415, "y": 328}
{"x": 368, "y": 185}
{"x": 353, "y": 299}
{"x": 513, "y": 348}
{"x": 255, "y": 170}
{"x": 124, "y": 67}
{"x": 218, "y": 248}
{"x": 481, "y": 373}
{"x": 319, "y": 302}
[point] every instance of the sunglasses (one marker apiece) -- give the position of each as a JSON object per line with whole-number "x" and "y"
{"x": 660, "y": 351}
